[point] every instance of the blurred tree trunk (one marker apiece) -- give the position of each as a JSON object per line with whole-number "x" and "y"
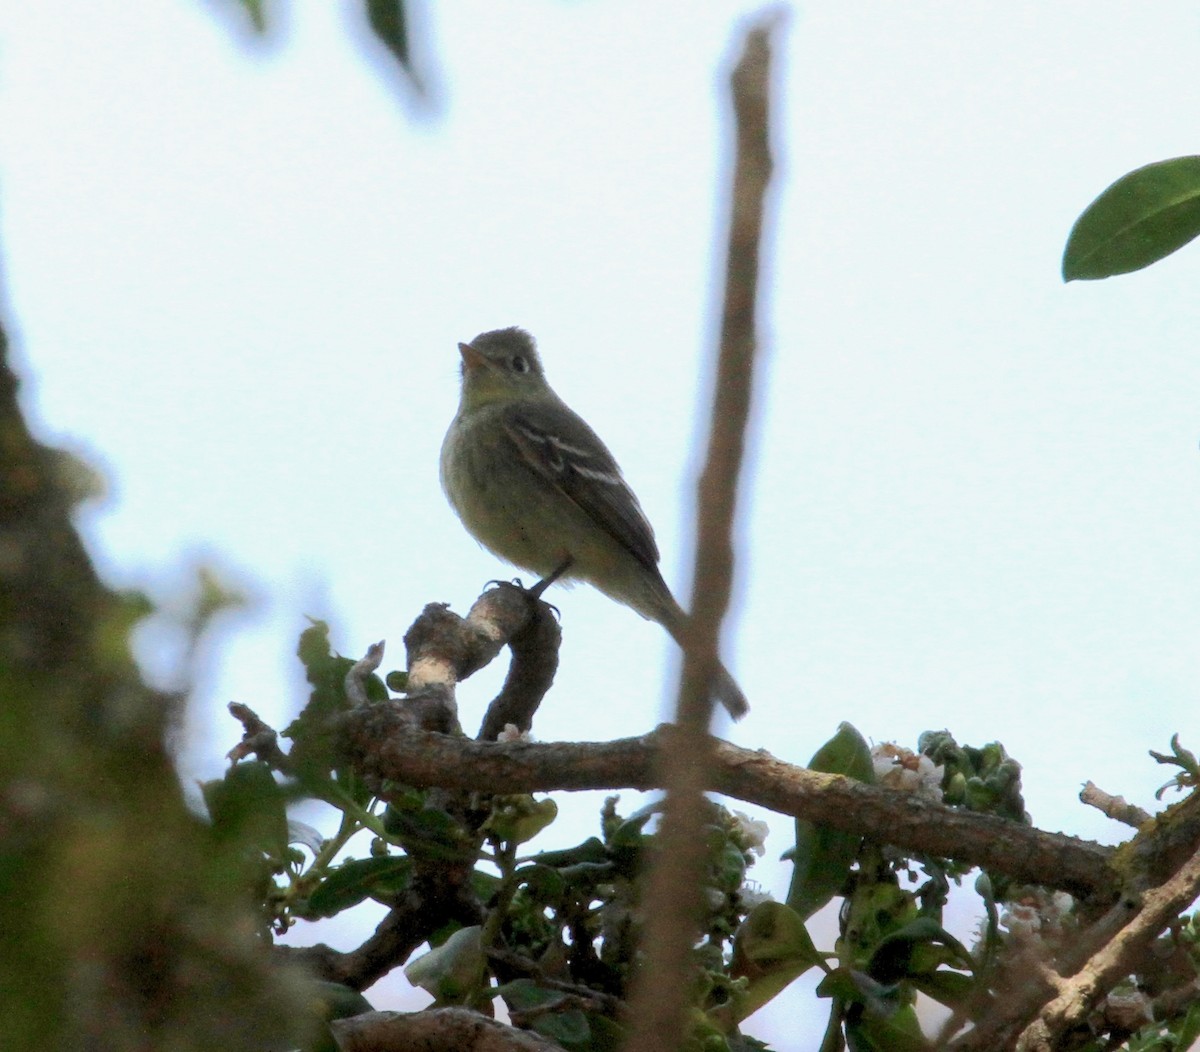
{"x": 125, "y": 926}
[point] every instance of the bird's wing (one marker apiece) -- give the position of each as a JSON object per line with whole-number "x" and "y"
{"x": 560, "y": 447}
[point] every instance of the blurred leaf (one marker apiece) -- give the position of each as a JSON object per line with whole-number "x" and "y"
{"x": 453, "y": 972}
{"x": 213, "y": 596}
{"x": 313, "y": 749}
{"x": 1138, "y": 220}
{"x": 746, "y": 1043}
{"x": 249, "y": 804}
{"x": 357, "y": 879}
{"x": 822, "y": 857}
{"x": 388, "y": 23}
{"x": 256, "y": 14}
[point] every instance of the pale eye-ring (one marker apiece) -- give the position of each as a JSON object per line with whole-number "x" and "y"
{"x": 519, "y": 364}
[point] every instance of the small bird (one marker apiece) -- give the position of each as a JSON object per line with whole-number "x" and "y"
{"x": 534, "y": 485}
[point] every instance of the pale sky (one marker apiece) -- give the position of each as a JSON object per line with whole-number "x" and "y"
{"x": 236, "y": 277}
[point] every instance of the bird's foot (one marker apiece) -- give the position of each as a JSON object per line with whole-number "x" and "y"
{"x": 537, "y": 590}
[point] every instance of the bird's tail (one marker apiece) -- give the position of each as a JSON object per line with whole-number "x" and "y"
{"x": 724, "y": 688}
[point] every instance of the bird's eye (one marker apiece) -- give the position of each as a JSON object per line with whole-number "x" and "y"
{"x": 519, "y": 364}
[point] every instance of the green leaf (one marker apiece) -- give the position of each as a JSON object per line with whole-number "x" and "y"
{"x": 519, "y": 818}
{"x": 774, "y": 932}
{"x": 332, "y": 1001}
{"x": 898, "y": 953}
{"x": 314, "y": 751}
{"x": 834, "y": 1040}
{"x": 607, "y": 1035}
{"x": 569, "y": 1028}
{"x": 771, "y": 949}
{"x": 424, "y": 832}
{"x": 854, "y": 988}
{"x": 249, "y": 804}
{"x": 521, "y": 995}
{"x": 453, "y": 972}
{"x": 728, "y": 866}
{"x": 485, "y": 885}
{"x": 543, "y": 883}
{"x": 591, "y": 850}
{"x": 1190, "y": 1029}
{"x": 356, "y": 879}
{"x": 335, "y": 1001}
{"x": 896, "y": 1031}
{"x": 396, "y": 680}
{"x": 848, "y": 753}
{"x": 1141, "y": 218}
{"x": 629, "y": 834}
{"x": 953, "y": 989}
{"x": 822, "y": 857}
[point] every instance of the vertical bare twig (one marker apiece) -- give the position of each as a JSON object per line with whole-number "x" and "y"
{"x": 674, "y": 896}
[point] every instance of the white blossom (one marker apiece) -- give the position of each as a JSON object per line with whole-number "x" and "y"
{"x": 751, "y": 833}
{"x": 906, "y": 771}
{"x": 513, "y": 733}
{"x": 752, "y": 894}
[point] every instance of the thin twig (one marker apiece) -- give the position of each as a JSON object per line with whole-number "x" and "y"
{"x": 258, "y": 739}
{"x": 674, "y": 892}
{"x": 1115, "y": 807}
{"x": 356, "y": 677}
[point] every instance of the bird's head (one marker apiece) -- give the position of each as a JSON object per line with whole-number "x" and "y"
{"x": 501, "y": 364}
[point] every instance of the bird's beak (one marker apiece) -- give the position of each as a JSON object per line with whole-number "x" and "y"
{"x": 472, "y": 360}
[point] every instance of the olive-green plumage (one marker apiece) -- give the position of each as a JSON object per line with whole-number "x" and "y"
{"x": 536, "y": 486}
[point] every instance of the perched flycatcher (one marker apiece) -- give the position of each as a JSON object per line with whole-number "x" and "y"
{"x": 535, "y": 485}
